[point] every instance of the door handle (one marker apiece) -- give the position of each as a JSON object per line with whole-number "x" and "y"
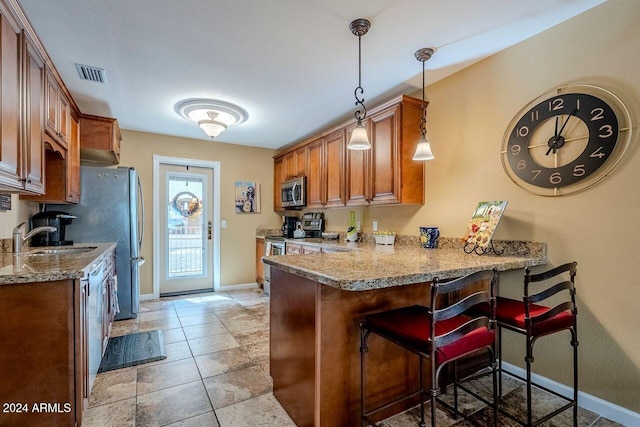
{"x": 209, "y": 230}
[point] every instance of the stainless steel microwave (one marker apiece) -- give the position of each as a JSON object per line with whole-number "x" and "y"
{"x": 293, "y": 193}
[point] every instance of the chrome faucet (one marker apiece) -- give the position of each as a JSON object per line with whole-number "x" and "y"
{"x": 18, "y": 238}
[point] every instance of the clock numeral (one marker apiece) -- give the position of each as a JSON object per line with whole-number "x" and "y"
{"x": 598, "y": 153}
{"x": 606, "y": 131}
{"x": 579, "y": 170}
{"x": 535, "y": 173}
{"x": 556, "y": 104}
{"x": 534, "y": 116}
{"x": 555, "y": 178}
{"x": 515, "y": 149}
{"x": 598, "y": 114}
{"x": 523, "y": 131}
{"x": 521, "y": 164}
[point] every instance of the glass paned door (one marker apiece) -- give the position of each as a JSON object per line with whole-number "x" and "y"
{"x": 186, "y": 232}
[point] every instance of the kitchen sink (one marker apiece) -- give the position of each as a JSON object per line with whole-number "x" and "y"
{"x": 62, "y": 251}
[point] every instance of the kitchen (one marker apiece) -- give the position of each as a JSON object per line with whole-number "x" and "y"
{"x": 465, "y": 134}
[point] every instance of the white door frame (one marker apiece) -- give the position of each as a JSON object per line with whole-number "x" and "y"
{"x": 215, "y": 166}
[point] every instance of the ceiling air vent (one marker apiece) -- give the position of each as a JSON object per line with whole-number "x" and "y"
{"x": 93, "y": 74}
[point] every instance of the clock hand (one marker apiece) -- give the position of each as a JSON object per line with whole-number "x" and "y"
{"x": 557, "y": 136}
{"x": 566, "y": 121}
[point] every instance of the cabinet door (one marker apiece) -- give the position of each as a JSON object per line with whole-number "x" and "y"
{"x": 315, "y": 178}
{"x": 64, "y": 119}
{"x": 34, "y": 78}
{"x": 293, "y": 248}
{"x": 385, "y": 173}
{"x": 73, "y": 163}
{"x": 11, "y": 173}
{"x": 51, "y": 105}
{"x": 259, "y": 265}
{"x": 334, "y": 169}
{"x": 278, "y": 171}
{"x": 311, "y": 250}
{"x": 357, "y": 176}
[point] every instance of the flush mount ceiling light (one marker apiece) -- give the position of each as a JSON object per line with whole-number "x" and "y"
{"x": 212, "y": 115}
{"x": 423, "y": 149}
{"x": 359, "y": 139}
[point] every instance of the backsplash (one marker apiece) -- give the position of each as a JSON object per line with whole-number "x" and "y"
{"x": 6, "y": 245}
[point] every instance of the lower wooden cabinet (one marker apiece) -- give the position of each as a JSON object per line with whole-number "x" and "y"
{"x": 44, "y": 373}
{"x": 259, "y": 265}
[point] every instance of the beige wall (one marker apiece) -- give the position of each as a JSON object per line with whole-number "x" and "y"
{"x": 237, "y": 163}
{"x": 468, "y": 114}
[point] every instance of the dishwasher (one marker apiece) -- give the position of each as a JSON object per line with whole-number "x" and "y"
{"x": 273, "y": 245}
{"x": 94, "y": 317}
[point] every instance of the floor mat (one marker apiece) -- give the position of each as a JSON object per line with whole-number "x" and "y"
{"x": 133, "y": 349}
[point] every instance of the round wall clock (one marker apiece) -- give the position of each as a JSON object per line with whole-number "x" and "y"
{"x": 566, "y": 140}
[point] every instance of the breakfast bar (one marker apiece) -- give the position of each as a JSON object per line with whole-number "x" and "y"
{"x": 318, "y": 300}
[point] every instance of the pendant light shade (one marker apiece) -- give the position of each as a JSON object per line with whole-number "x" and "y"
{"x": 423, "y": 149}
{"x": 359, "y": 139}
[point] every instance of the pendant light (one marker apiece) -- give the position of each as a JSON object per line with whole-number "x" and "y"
{"x": 359, "y": 139}
{"x": 423, "y": 149}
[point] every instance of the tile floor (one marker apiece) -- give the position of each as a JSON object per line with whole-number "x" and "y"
{"x": 216, "y": 373}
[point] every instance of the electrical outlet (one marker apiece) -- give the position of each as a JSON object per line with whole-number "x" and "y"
{"x": 375, "y": 225}
{"x": 223, "y": 223}
{"x": 358, "y": 226}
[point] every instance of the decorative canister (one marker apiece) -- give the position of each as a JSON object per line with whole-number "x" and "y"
{"x": 429, "y": 237}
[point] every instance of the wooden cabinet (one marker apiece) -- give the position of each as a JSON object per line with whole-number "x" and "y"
{"x": 334, "y": 172}
{"x": 33, "y": 95}
{"x": 278, "y": 179}
{"x": 62, "y": 170}
{"x": 21, "y": 114}
{"x": 315, "y": 171}
{"x": 259, "y": 265}
{"x": 58, "y": 112}
{"x": 43, "y": 327}
{"x": 295, "y": 163}
{"x": 386, "y": 174}
{"x": 100, "y": 139}
{"x": 300, "y": 249}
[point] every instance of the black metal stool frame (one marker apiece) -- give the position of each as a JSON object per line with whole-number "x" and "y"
{"x": 447, "y": 312}
{"x": 531, "y": 339}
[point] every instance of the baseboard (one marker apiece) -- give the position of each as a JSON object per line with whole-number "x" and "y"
{"x": 149, "y": 297}
{"x": 239, "y": 287}
{"x": 606, "y": 409}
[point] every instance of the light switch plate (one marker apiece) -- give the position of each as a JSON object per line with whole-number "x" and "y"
{"x": 223, "y": 223}
{"x": 375, "y": 225}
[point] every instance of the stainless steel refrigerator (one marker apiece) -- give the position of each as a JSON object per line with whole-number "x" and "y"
{"x": 111, "y": 209}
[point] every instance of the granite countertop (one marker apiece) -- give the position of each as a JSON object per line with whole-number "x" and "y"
{"x": 365, "y": 266}
{"x": 29, "y": 267}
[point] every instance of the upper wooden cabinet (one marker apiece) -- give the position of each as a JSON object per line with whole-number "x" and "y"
{"x": 100, "y": 139}
{"x": 386, "y": 174}
{"x": 62, "y": 170}
{"x": 278, "y": 178}
{"x": 21, "y": 110}
{"x": 58, "y": 112}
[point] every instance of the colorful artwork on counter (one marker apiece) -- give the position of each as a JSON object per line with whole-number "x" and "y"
{"x": 247, "y": 197}
{"x": 483, "y": 223}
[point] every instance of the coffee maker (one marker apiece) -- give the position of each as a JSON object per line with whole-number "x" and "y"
{"x": 289, "y": 225}
{"x": 56, "y": 219}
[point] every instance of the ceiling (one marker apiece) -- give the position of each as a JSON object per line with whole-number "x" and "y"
{"x": 292, "y": 64}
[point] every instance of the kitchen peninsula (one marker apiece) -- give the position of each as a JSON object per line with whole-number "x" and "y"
{"x": 58, "y": 305}
{"x": 318, "y": 300}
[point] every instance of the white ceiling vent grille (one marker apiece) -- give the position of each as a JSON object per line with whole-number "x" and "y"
{"x": 93, "y": 74}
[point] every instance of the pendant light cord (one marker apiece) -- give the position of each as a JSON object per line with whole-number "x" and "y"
{"x": 360, "y": 115}
{"x": 423, "y": 121}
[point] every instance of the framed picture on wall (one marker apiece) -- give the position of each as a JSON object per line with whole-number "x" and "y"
{"x": 5, "y": 202}
{"x": 247, "y": 197}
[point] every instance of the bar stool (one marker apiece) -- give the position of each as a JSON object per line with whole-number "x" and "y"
{"x": 529, "y": 318}
{"x": 442, "y": 335}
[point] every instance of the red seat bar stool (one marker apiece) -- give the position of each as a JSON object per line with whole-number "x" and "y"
{"x": 449, "y": 329}
{"x": 534, "y": 320}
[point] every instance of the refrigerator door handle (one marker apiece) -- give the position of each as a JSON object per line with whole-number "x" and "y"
{"x": 141, "y": 214}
